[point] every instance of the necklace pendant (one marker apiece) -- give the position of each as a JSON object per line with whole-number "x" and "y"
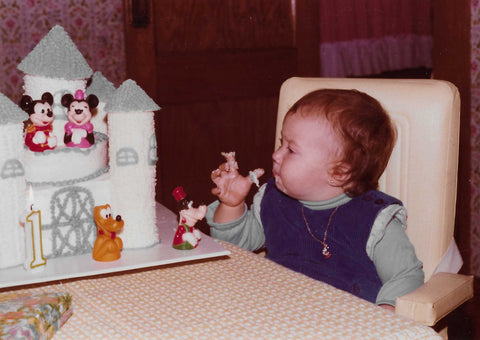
{"x": 326, "y": 253}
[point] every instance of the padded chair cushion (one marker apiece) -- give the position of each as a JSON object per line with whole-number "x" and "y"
{"x": 436, "y": 298}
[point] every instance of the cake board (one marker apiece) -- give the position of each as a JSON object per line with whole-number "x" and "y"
{"x": 83, "y": 265}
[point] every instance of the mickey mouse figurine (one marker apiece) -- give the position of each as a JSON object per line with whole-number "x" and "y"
{"x": 39, "y": 136}
{"x": 79, "y": 130}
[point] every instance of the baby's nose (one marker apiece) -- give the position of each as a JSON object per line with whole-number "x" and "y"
{"x": 49, "y": 113}
{"x": 276, "y": 156}
{"x": 78, "y": 111}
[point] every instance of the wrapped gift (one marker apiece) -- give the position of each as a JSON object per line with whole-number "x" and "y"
{"x": 33, "y": 316}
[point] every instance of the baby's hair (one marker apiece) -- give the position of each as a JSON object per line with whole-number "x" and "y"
{"x": 366, "y": 130}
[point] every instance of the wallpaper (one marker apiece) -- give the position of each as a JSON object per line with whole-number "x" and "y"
{"x": 95, "y": 26}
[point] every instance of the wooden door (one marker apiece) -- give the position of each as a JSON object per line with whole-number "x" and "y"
{"x": 215, "y": 67}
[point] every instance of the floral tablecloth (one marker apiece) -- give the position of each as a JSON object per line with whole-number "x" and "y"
{"x": 242, "y": 296}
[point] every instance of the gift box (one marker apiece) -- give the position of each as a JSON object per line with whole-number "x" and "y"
{"x": 33, "y": 316}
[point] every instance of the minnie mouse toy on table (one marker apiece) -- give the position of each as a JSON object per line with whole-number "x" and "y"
{"x": 39, "y": 136}
{"x": 79, "y": 130}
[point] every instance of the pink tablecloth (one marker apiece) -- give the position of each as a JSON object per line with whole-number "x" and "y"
{"x": 242, "y": 296}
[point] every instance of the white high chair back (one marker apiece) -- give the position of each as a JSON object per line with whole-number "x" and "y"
{"x": 422, "y": 171}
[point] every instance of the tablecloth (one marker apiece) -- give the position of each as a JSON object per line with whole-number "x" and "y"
{"x": 240, "y": 296}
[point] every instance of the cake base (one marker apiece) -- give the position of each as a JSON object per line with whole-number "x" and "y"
{"x": 83, "y": 265}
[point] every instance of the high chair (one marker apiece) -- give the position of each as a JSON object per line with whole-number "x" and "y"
{"x": 422, "y": 173}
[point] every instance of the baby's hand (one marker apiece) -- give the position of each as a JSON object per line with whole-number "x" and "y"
{"x": 232, "y": 188}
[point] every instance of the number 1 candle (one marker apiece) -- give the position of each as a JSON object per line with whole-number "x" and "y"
{"x": 33, "y": 239}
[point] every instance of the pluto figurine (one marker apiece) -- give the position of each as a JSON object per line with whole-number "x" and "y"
{"x": 108, "y": 245}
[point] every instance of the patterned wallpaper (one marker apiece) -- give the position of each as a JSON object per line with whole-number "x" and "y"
{"x": 475, "y": 138}
{"x": 95, "y": 26}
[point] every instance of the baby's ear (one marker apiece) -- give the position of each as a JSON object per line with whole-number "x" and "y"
{"x": 339, "y": 174}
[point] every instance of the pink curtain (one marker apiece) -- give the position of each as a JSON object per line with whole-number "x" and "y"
{"x": 95, "y": 26}
{"x": 366, "y": 37}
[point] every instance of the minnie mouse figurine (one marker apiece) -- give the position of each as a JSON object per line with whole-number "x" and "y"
{"x": 79, "y": 130}
{"x": 39, "y": 136}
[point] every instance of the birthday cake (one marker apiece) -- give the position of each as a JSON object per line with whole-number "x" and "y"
{"x": 63, "y": 165}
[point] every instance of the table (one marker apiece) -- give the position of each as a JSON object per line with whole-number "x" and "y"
{"x": 237, "y": 296}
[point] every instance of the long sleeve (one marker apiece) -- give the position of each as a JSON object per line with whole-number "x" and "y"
{"x": 394, "y": 256}
{"x": 246, "y": 232}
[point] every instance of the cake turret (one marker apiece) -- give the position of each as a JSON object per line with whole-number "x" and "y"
{"x": 12, "y": 183}
{"x": 133, "y": 155}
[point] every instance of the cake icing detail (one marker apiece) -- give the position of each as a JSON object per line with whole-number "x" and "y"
{"x": 72, "y": 228}
{"x": 56, "y": 56}
{"x": 78, "y": 129}
{"x": 12, "y": 184}
{"x": 38, "y": 135}
{"x": 108, "y": 245}
{"x": 72, "y": 181}
{"x": 126, "y": 156}
{"x": 152, "y": 150}
{"x": 12, "y": 168}
{"x": 67, "y": 166}
{"x": 130, "y": 97}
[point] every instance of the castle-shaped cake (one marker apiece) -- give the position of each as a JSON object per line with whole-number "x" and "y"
{"x": 66, "y": 183}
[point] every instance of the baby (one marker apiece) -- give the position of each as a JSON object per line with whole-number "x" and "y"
{"x": 321, "y": 214}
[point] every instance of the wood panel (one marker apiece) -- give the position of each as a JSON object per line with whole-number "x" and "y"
{"x": 210, "y": 25}
{"x": 451, "y": 61}
{"x": 216, "y": 67}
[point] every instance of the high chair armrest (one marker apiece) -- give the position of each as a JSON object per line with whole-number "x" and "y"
{"x": 436, "y": 298}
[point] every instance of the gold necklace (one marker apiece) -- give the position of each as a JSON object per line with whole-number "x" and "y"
{"x": 325, "y": 251}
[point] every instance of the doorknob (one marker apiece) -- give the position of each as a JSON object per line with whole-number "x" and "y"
{"x": 139, "y": 12}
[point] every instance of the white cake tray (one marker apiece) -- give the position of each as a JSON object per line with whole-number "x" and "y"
{"x": 131, "y": 259}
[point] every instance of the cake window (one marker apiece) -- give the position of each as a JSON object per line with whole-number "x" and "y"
{"x": 152, "y": 151}
{"x": 12, "y": 168}
{"x": 127, "y": 156}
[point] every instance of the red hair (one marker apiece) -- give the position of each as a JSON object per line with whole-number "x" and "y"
{"x": 365, "y": 128}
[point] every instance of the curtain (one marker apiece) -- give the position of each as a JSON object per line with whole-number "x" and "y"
{"x": 95, "y": 26}
{"x": 366, "y": 37}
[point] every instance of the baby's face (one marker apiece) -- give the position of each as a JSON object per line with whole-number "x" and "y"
{"x": 302, "y": 165}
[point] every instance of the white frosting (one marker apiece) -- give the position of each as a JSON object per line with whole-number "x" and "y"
{"x": 99, "y": 120}
{"x": 35, "y": 86}
{"x": 133, "y": 186}
{"x": 65, "y": 165}
{"x": 12, "y": 196}
{"x": 68, "y": 182}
